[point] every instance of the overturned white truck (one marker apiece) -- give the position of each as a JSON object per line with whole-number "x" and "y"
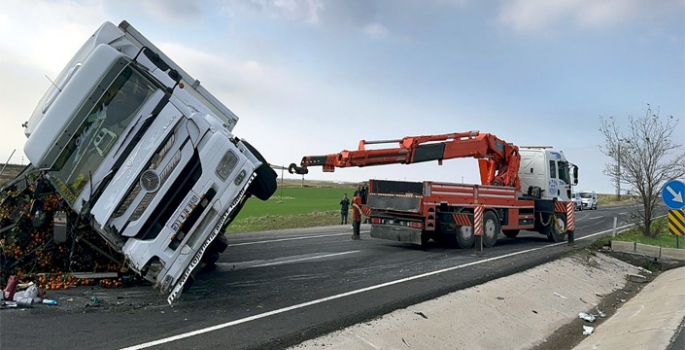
{"x": 145, "y": 155}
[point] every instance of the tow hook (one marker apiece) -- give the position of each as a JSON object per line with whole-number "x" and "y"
{"x": 294, "y": 169}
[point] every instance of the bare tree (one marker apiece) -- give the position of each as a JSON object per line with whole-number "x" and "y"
{"x": 645, "y": 159}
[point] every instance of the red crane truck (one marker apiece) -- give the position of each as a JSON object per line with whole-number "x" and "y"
{"x": 522, "y": 188}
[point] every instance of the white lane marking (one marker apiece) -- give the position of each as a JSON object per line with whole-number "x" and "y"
{"x": 280, "y": 261}
{"x": 342, "y": 295}
{"x": 599, "y": 217}
{"x": 294, "y": 238}
{"x": 623, "y": 213}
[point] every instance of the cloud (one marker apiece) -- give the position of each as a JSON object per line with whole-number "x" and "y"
{"x": 289, "y": 10}
{"x": 376, "y": 30}
{"x": 535, "y": 16}
{"x": 179, "y": 10}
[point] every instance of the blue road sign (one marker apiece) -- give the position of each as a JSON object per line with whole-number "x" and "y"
{"x": 673, "y": 194}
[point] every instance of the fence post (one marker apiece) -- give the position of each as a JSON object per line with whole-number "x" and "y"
{"x": 613, "y": 233}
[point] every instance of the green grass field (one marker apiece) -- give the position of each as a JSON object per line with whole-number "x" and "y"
{"x": 292, "y": 208}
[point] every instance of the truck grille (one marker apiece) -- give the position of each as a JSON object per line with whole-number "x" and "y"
{"x": 172, "y": 199}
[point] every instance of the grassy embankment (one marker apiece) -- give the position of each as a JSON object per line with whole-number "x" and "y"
{"x": 292, "y": 207}
{"x": 663, "y": 238}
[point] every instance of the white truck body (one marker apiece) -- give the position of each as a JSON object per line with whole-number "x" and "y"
{"x": 548, "y": 170}
{"x": 146, "y": 154}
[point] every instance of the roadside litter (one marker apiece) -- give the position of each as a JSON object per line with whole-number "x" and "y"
{"x": 26, "y": 298}
{"x": 587, "y": 330}
{"x": 590, "y": 317}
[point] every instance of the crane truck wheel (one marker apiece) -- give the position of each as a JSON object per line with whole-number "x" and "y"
{"x": 490, "y": 229}
{"x": 557, "y": 232}
{"x": 465, "y": 237}
{"x": 511, "y": 233}
{"x": 265, "y": 184}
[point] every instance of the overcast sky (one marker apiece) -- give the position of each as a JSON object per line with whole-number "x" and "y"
{"x": 309, "y": 77}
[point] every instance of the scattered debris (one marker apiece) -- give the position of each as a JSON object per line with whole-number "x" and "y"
{"x": 500, "y": 298}
{"x": 560, "y": 296}
{"x": 644, "y": 270}
{"x": 405, "y": 343}
{"x": 421, "y": 314}
{"x": 32, "y": 214}
{"x": 587, "y": 317}
{"x": 636, "y": 278}
{"x": 600, "y": 313}
{"x": 587, "y": 330}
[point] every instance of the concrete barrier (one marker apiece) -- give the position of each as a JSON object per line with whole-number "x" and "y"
{"x": 623, "y": 247}
{"x": 672, "y": 253}
{"x": 648, "y": 250}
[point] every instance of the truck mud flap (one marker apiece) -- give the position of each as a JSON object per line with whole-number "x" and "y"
{"x": 177, "y": 289}
{"x": 397, "y": 233}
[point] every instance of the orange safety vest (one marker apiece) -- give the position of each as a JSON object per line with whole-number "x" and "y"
{"x": 356, "y": 208}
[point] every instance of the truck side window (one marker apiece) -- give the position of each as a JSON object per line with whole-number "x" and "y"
{"x": 553, "y": 169}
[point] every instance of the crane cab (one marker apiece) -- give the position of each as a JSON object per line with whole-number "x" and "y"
{"x": 546, "y": 174}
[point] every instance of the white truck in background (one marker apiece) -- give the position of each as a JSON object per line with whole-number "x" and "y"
{"x": 145, "y": 155}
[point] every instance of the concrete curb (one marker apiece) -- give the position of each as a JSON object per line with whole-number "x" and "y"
{"x": 649, "y": 251}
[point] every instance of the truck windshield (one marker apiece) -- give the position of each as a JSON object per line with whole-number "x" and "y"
{"x": 94, "y": 138}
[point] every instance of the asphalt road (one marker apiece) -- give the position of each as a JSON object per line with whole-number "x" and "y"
{"x": 275, "y": 289}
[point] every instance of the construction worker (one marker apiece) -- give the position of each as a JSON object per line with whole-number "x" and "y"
{"x": 344, "y": 208}
{"x": 356, "y": 217}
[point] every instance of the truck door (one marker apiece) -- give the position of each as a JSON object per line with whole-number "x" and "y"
{"x": 553, "y": 189}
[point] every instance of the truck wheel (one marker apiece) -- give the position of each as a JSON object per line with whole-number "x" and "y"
{"x": 210, "y": 257}
{"x": 265, "y": 184}
{"x": 558, "y": 233}
{"x": 511, "y": 233}
{"x": 189, "y": 283}
{"x": 490, "y": 229}
{"x": 465, "y": 237}
{"x": 219, "y": 244}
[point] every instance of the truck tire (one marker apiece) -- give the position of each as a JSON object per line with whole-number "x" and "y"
{"x": 264, "y": 185}
{"x": 558, "y": 234}
{"x": 490, "y": 229}
{"x": 465, "y": 237}
{"x": 219, "y": 244}
{"x": 511, "y": 233}
{"x": 210, "y": 257}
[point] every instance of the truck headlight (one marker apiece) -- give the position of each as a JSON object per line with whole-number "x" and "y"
{"x": 226, "y": 165}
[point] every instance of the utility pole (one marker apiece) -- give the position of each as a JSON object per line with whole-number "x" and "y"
{"x": 618, "y": 173}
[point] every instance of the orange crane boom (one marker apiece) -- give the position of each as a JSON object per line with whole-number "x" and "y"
{"x": 498, "y": 161}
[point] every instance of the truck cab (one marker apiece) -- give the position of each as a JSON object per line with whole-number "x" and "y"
{"x": 546, "y": 174}
{"x": 145, "y": 155}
